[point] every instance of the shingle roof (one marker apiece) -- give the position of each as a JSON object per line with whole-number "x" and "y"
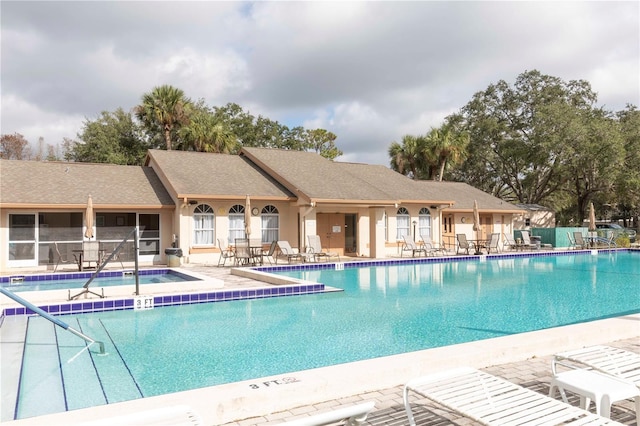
{"x": 464, "y": 194}
{"x": 197, "y": 174}
{"x": 70, "y": 184}
{"x": 315, "y": 178}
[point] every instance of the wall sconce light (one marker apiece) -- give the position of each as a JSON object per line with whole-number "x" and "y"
{"x": 193, "y": 202}
{"x": 463, "y": 220}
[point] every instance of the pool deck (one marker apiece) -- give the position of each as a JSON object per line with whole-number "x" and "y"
{"x": 524, "y": 359}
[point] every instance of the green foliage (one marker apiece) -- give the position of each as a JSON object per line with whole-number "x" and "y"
{"x": 429, "y": 156}
{"x": 164, "y": 110}
{"x": 112, "y": 138}
{"x": 623, "y": 240}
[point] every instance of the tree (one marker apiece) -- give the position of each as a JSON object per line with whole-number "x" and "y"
{"x": 14, "y": 147}
{"x": 595, "y": 156}
{"x": 165, "y": 108}
{"x": 205, "y": 133}
{"x": 445, "y": 147}
{"x": 322, "y": 142}
{"x": 408, "y": 158}
{"x": 517, "y": 148}
{"x": 113, "y": 138}
{"x": 627, "y": 195}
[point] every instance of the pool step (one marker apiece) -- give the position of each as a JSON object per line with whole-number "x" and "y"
{"x": 60, "y": 374}
{"x": 41, "y": 390}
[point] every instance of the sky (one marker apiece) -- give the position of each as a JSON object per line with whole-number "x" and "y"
{"x": 370, "y": 72}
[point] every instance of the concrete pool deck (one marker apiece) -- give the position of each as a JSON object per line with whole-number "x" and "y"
{"x": 523, "y": 359}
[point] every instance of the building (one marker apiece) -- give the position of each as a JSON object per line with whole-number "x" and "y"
{"x": 194, "y": 200}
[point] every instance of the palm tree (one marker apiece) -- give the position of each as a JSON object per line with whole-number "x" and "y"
{"x": 448, "y": 147}
{"x": 205, "y": 133}
{"x": 165, "y": 107}
{"x": 408, "y": 158}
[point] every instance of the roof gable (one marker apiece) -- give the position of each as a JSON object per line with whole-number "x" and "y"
{"x": 61, "y": 183}
{"x": 312, "y": 177}
{"x": 198, "y": 174}
{"x": 464, "y": 195}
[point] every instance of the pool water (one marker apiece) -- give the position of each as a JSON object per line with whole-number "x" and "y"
{"x": 384, "y": 310}
{"x": 106, "y": 279}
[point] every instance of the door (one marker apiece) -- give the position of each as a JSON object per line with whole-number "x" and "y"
{"x": 350, "y": 233}
{"x": 448, "y": 231}
{"x": 331, "y": 230}
{"x": 486, "y": 227}
{"x": 22, "y": 240}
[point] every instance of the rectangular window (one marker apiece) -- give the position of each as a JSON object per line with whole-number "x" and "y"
{"x": 22, "y": 237}
{"x": 424, "y": 226}
{"x": 402, "y": 226}
{"x": 149, "y": 234}
{"x": 270, "y": 228}
{"x": 236, "y": 227}
{"x": 63, "y": 228}
{"x": 204, "y": 229}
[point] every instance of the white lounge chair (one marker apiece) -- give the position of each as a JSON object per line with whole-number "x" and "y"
{"x": 178, "y": 415}
{"x": 315, "y": 248}
{"x": 509, "y": 243}
{"x": 493, "y": 243}
{"x": 606, "y": 359}
{"x": 353, "y": 415}
{"x": 490, "y": 400}
{"x": 285, "y": 251}
{"x": 526, "y": 240}
{"x": 431, "y": 247}
{"x": 410, "y": 245}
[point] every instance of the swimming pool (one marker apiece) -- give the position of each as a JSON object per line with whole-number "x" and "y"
{"x": 20, "y": 283}
{"x": 382, "y": 311}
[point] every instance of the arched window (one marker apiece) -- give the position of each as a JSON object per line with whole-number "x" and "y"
{"x": 424, "y": 223}
{"x": 236, "y": 223}
{"x": 402, "y": 223}
{"x": 203, "y": 225}
{"x": 270, "y": 224}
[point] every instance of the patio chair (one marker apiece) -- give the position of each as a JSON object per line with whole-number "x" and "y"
{"x": 493, "y": 243}
{"x": 268, "y": 254}
{"x": 243, "y": 252}
{"x": 285, "y": 251}
{"x": 225, "y": 252}
{"x": 353, "y": 415}
{"x": 59, "y": 257}
{"x": 526, "y": 240}
{"x": 90, "y": 253}
{"x": 463, "y": 243}
{"x": 410, "y": 245}
{"x": 572, "y": 243}
{"x": 491, "y": 400}
{"x": 431, "y": 247}
{"x": 315, "y": 248}
{"x": 579, "y": 241}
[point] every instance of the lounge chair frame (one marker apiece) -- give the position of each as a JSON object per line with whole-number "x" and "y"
{"x": 490, "y": 400}
{"x": 354, "y": 415}
{"x": 316, "y": 250}
{"x": 606, "y": 359}
{"x": 410, "y": 245}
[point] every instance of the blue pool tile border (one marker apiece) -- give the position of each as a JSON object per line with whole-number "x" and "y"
{"x": 86, "y": 275}
{"x": 122, "y": 304}
{"x": 439, "y": 259}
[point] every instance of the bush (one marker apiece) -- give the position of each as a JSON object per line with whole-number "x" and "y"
{"x": 623, "y": 241}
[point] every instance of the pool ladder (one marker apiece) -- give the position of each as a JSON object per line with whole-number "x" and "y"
{"x": 51, "y": 318}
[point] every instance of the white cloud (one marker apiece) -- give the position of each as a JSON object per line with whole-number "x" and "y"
{"x": 370, "y": 72}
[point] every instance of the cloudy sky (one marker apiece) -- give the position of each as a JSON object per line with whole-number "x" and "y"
{"x": 370, "y": 72}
